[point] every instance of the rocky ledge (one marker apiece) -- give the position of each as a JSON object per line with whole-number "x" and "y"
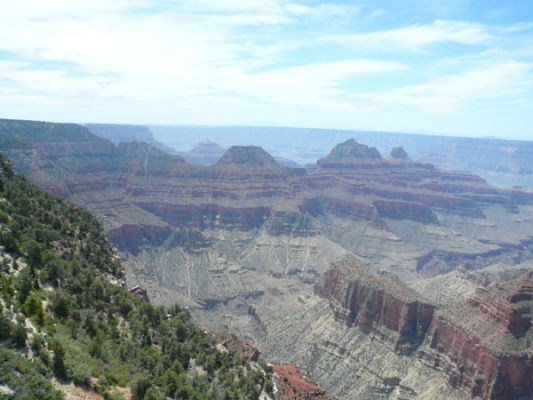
{"x": 486, "y": 344}
{"x": 360, "y": 299}
{"x": 483, "y": 345}
{"x": 292, "y": 384}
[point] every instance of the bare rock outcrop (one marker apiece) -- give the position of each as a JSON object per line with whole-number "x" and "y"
{"x": 360, "y": 299}
{"x": 399, "y": 153}
{"x": 486, "y": 345}
{"x": 483, "y": 345}
{"x": 292, "y": 384}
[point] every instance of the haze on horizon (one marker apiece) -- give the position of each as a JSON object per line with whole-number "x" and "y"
{"x": 461, "y": 68}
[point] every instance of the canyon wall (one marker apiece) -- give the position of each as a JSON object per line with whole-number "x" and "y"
{"x": 245, "y": 243}
{"x": 483, "y": 345}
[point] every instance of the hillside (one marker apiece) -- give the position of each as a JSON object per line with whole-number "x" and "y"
{"x": 65, "y": 315}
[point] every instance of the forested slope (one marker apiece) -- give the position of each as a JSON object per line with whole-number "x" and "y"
{"x": 65, "y": 315}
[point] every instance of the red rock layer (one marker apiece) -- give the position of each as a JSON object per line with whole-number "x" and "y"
{"x": 400, "y": 188}
{"x": 359, "y": 299}
{"x": 487, "y": 341}
{"x": 468, "y": 363}
{"x": 247, "y": 186}
{"x": 293, "y": 385}
{"x": 483, "y": 346}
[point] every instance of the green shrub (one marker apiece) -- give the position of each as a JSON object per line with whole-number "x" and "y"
{"x": 19, "y": 335}
{"x": 59, "y": 360}
{"x": 5, "y": 327}
{"x": 93, "y": 328}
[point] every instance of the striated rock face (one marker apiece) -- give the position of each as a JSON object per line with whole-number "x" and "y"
{"x": 352, "y": 181}
{"x": 291, "y": 223}
{"x": 131, "y": 237}
{"x": 467, "y": 364}
{"x": 513, "y": 311}
{"x": 486, "y": 345}
{"x": 406, "y": 210}
{"x": 349, "y": 154}
{"x": 209, "y": 153}
{"x": 360, "y": 299}
{"x": 405, "y": 189}
{"x": 405, "y": 215}
{"x": 483, "y": 345}
{"x": 411, "y": 216}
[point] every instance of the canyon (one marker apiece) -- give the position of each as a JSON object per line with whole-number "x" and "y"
{"x": 434, "y": 263}
{"x": 373, "y": 337}
{"x": 501, "y": 162}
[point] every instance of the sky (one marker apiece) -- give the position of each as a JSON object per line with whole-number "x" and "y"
{"x": 451, "y": 67}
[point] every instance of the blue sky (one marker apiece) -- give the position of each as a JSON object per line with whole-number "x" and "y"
{"x": 460, "y": 67}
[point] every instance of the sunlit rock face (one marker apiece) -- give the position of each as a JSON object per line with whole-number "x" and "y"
{"x": 484, "y": 344}
{"x": 390, "y": 342}
{"x": 360, "y": 299}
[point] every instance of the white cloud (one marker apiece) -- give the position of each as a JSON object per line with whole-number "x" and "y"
{"x": 32, "y": 9}
{"x": 312, "y": 84}
{"x": 253, "y": 59}
{"x": 376, "y": 14}
{"x": 159, "y": 56}
{"x": 415, "y": 37}
{"x": 324, "y": 10}
{"x": 505, "y": 81}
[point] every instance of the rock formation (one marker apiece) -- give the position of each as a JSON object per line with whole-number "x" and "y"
{"x": 360, "y": 299}
{"x": 483, "y": 345}
{"x": 118, "y": 133}
{"x": 501, "y": 162}
{"x": 293, "y": 385}
{"x": 243, "y": 347}
{"x": 204, "y": 153}
{"x": 350, "y": 151}
{"x": 399, "y": 153}
{"x": 243, "y": 242}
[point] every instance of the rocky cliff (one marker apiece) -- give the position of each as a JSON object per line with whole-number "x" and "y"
{"x": 396, "y": 214}
{"x": 484, "y": 345}
{"x": 359, "y": 299}
{"x": 209, "y": 153}
{"x": 118, "y": 133}
{"x": 399, "y": 153}
{"x": 403, "y": 189}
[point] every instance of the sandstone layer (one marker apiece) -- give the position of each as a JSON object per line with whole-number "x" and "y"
{"x": 482, "y": 346}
